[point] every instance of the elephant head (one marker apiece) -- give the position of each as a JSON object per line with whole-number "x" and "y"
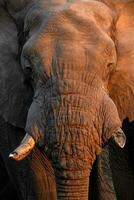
{"x": 70, "y": 56}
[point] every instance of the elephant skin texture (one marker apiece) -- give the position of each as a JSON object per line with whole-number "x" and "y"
{"x": 71, "y": 55}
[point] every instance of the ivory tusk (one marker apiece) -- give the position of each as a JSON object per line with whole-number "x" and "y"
{"x": 23, "y": 149}
{"x": 120, "y": 138}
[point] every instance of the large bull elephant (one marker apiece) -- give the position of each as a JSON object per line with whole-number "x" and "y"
{"x": 69, "y": 52}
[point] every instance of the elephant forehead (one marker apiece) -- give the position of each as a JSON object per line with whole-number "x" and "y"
{"x": 94, "y": 10}
{"x": 85, "y": 17}
{"x": 70, "y": 37}
{"x": 82, "y": 9}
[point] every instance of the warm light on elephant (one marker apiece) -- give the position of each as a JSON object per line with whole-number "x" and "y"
{"x": 71, "y": 57}
{"x": 75, "y": 90}
{"x": 25, "y": 148}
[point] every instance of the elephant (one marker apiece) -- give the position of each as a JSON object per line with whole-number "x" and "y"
{"x": 17, "y": 180}
{"x": 71, "y": 55}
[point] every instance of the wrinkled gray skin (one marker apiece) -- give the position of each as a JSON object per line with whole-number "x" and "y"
{"x": 14, "y": 117}
{"x": 14, "y": 93}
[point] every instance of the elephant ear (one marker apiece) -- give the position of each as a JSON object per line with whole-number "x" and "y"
{"x": 121, "y": 84}
{"x": 15, "y": 91}
{"x": 15, "y": 94}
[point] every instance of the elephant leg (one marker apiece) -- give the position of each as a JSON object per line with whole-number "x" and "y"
{"x": 7, "y": 190}
{"x": 93, "y": 187}
{"x": 115, "y": 174}
{"x": 4, "y": 178}
{"x": 24, "y": 174}
{"x": 105, "y": 182}
{"x": 123, "y": 173}
{"x": 122, "y": 164}
{"x": 19, "y": 174}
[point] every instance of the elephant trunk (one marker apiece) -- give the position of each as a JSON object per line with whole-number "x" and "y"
{"x": 68, "y": 141}
{"x": 70, "y": 188}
